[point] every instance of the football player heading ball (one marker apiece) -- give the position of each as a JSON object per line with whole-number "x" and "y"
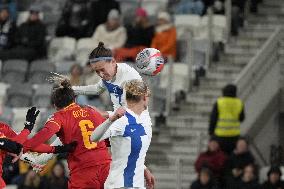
{"x": 113, "y": 78}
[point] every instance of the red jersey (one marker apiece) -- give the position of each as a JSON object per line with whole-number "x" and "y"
{"x": 6, "y": 131}
{"x": 75, "y": 123}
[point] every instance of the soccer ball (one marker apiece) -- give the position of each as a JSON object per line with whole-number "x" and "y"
{"x": 149, "y": 62}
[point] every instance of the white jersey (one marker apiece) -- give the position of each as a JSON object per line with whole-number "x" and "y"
{"x": 130, "y": 137}
{"x": 115, "y": 87}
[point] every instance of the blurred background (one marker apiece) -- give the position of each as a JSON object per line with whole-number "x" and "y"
{"x": 217, "y": 107}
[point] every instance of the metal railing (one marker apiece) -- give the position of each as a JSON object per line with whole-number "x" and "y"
{"x": 210, "y": 38}
{"x": 258, "y": 84}
{"x": 259, "y": 65}
{"x": 179, "y": 162}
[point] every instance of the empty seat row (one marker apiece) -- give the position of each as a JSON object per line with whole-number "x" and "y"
{"x": 25, "y": 95}
{"x": 199, "y": 26}
{"x": 67, "y": 48}
{"x": 16, "y": 71}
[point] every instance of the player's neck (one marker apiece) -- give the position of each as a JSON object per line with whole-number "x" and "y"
{"x": 137, "y": 108}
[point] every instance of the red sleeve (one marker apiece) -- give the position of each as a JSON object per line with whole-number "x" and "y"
{"x": 7, "y": 130}
{"x": 51, "y": 127}
{"x": 9, "y": 133}
{"x": 43, "y": 148}
{"x": 99, "y": 119}
{"x": 22, "y": 137}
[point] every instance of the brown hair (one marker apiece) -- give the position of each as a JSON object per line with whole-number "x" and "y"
{"x": 100, "y": 51}
{"x": 62, "y": 94}
{"x": 136, "y": 89}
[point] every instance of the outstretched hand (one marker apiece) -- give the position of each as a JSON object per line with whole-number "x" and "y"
{"x": 31, "y": 116}
{"x": 16, "y": 157}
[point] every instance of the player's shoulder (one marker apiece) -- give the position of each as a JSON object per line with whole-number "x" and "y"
{"x": 122, "y": 122}
{"x": 126, "y": 68}
{"x": 91, "y": 110}
{"x": 56, "y": 116}
{"x": 127, "y": 72}
{"x": 4, "y": 127}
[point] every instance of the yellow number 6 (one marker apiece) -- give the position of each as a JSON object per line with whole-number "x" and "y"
{"x": 84, "y": 124}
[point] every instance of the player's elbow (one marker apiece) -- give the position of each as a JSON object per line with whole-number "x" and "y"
{"x": 95, "y": 137}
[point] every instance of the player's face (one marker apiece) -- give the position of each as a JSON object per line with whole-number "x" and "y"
{"x": 106, "y": 70}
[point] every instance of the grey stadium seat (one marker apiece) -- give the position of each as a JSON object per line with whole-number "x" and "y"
{"x": 44, "y": 115}
{"x": 7, "y": 115}
{"x": 42, "y": 95}
{"x": 14, "y": 71}
{"x": 19, "y": 95}
{"x": 63, "y": 67}
{"x": 40, "y": 71}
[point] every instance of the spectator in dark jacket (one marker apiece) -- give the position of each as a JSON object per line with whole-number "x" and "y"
{"x": 74, "y": 21}
{"x": 249, "y": 178}
{"x": 7, "y": 30}
{"x": 226, "y": 117}
{"x": 204, "y": 181}
{"x": 240, "y": 158}
{"x": 99, "y": 11}
{"x": 213, "y": 158}
{"x": 139, "y": 36}
{"x": 273, "y": 181}
{"x": 30, "y": 39}
{"x": 58, "y": 179}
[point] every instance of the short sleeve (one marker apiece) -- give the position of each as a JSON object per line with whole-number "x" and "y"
{"x": 133, "y": 74}
{"x": 116, "y": 129}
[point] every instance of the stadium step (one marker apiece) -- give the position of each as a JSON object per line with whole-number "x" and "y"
{"x": 272, "y": 2}
{"x": 188, "y": 126}
{"x": 275, "y": 9}
{"x": 235, "y": 59}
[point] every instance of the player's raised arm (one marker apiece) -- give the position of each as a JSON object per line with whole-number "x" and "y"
{"x": 102, "y": 131}
{"x": 95, "y": 89}
{"x": 31, "y": 116}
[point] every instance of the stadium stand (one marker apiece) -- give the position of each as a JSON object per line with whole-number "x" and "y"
{"x": 19, "y": 95}
{"x": 40, "y": 71}
{"x": 41, "y": 96}
{"x": 61, "y": 48}
{"x": 14, "y": 71}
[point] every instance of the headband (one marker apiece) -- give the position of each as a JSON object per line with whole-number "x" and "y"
{"x": 94, "y": 60}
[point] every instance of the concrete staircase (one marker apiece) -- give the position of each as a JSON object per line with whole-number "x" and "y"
{"x": 185, "y": 133}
